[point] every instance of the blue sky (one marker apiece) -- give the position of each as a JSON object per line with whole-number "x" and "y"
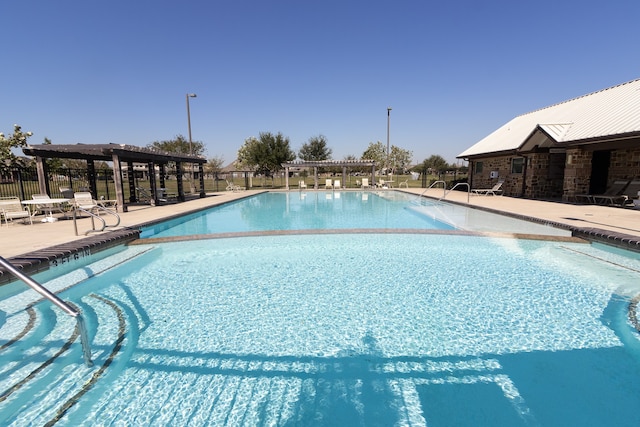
{"x": 452, "y": 71}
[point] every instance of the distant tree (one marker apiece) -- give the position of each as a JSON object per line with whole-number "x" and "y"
{"x": 315, "y": 149}
{"x": 266, "y": 154}
{"x": 54, "y": 164}
{"x": 214, "y": 165}
{"x": 179, "y": 145}
{"x": 435, "y": 164}
{"x": 399, "y": 159}
{"x": 376, "y": 152}
{"x": 16, "y": 140}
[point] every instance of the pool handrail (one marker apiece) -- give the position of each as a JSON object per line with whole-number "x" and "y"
{"x": 459, "y": 184}
{"x": 92, "y": 216}
{"x": 444, "y": 188}
{"x": 73, "y": 312}
{"x": 433, "y": 184}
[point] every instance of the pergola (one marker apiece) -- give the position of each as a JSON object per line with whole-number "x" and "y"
{"x": 119, "y": 154}
{"x": 329, "y": 163}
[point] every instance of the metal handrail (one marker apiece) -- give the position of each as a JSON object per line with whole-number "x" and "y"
{"x": 93, "y": 215}
{"x": 82, "y": 328}
{"x": 454, "y": 187}
{"x": 444, "y": 187}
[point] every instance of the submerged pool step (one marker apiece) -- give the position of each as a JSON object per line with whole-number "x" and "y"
{"x": 53, "y": 364}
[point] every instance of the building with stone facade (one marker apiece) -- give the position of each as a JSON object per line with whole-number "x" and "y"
{"x": 580, "y": 146}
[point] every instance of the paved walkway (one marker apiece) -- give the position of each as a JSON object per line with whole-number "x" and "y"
{"x": 18, "y": 239}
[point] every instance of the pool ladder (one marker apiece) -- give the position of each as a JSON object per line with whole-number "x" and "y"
{"x": 71, "y": 311}
{"x": 94, "y": 216}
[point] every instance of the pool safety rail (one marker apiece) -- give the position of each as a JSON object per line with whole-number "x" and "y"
{"x": 82, "y": 328}
{"x": 445, "y": 191}
{"x": 94, "y": 215}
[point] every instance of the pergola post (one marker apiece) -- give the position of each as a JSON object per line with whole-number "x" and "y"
{"x": 286, "y": 178}
{"x": 132, "y": 182}
{"x": 43, "y": 182}
{"x": 91, "y": 177}
{"x": 117, "y": 182}
{"x": 179, "y": 173}
{"x": 201, "y": 173}
{"x": 344, "y": 177}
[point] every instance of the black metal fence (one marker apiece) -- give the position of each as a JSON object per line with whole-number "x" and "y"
{"x": 23, "y": 182}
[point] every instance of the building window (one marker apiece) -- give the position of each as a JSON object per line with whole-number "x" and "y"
{"x": 517, "y": 165}
{"x": 477, "y": 167}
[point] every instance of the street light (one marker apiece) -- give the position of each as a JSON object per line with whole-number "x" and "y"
{"x": 388, "y": 120}
{"x": 190, "y": 95}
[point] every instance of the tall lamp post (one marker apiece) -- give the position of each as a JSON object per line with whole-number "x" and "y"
{"x": 388, "y": 122}
{"x": 190, "y": 95}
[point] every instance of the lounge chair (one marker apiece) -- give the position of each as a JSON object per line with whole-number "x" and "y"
{"x": 328, "y": 183}
{"x": 144, "y": 195}
{"x": 84, "y": 200}
{"x": 365, "y": 183}
{"x": 47, "y": 208}
{"x": 233, "y": 187}
{"x": 612, "y": 196}
{"x": 302, "y": 185}
{"x": 336, "y": 184}
{"x": 11, "y": 209}
{"x": 496, "y": 190}
{"x": 67, "y": 193}
{"x": 632, "y": 192}
{"x": 405, "y": 183}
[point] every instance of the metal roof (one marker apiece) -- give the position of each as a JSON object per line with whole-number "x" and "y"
{"x": 603, "y": 115}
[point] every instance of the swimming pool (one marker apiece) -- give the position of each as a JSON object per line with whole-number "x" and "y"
{"x": 341, "y": 210}
{"x": 340, "y": 329}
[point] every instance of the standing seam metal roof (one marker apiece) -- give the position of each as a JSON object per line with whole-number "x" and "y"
{"x": 612, "y": 111}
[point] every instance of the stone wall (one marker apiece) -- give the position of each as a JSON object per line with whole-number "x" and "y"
{"x": 554, "y": 175}
{"x": 512, "y": 182}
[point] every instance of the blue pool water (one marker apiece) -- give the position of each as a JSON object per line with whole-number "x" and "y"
{"x": 341, "y": 210}
{"x": 335, "y": 330}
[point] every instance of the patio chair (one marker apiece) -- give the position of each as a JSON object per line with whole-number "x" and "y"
{"x": 365, "y": 183}
{"x": 614, "y": 195}
{"x": 46, "y": 208}
{"x": 67, "y": 193}
{"x": 328, "y": 183}
{"x": 302, "y": 185}
{"x": 496, "y": 190}
{"x": 632, "y": 192}
{"x": 336, "y": 184}
{"x": 84, "y": 200}
{"x": 12, "y": 209}
{"x": 405, "y": 183}
{"x": 144, "y": 195}
{"x": 233, "y": 187}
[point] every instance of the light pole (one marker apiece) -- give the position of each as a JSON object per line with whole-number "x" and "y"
{"x": 190, "y": 95}
{"x": 388, "y": 121}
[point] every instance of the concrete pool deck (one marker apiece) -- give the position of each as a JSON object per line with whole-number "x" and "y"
{"x": 617, "y": 226}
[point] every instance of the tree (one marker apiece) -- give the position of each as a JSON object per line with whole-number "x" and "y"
{"x": 18, "y": 139}
{"x": 214, "y": 165}
{"x": 435, "y": 164}
{"x": 54, "y": 164}
{"x": 267, "y": 153}
{"x": 376, "y": 152}
{"x": 315, "y": 149}
{"x": 399, "y": 159}
{"x": 179, "y": 145}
